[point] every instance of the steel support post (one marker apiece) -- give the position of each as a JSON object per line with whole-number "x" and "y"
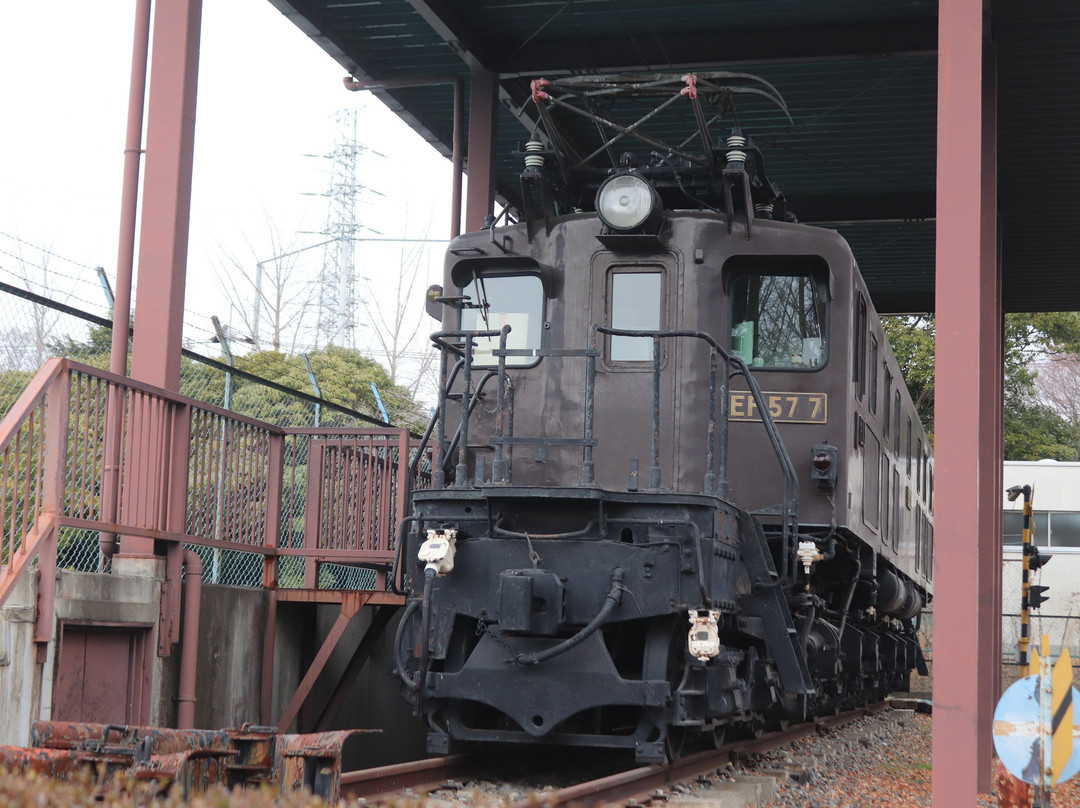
{"x": 991, "y": 519}
{"x": 129, "y": 202}
{"x": 968, "y": 455}
{"x": 457, "y": 158}
{"x": 166, "y": 207}
{"x": 483, "y": 94}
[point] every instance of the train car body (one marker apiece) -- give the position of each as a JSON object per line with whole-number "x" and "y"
{"x": 678, "y": 487}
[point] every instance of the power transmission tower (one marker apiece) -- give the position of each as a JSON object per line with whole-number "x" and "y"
{"x": 337, "y": 284}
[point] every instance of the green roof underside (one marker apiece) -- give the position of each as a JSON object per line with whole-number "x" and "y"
{"x": 859, "y": 77}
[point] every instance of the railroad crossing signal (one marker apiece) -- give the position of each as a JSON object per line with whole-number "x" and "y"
{"x": 1036, "y": 595}
{"x": 1035, "y": 730}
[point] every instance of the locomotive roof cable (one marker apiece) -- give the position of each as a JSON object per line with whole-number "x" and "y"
{"x": 678, "y": 181}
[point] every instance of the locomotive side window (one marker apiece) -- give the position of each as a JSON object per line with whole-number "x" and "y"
{"x": 635, "y": 306}
{"x": 498, "y": 300}
{"x": 778, "y": 321}
{"x": 908, "y": 452}
{"x": 886, "y": 398}
{"x": 896, "y": 509}
{"x": 896, "y": 424}
{"x": 873, "y": 373}
{"x": 858, "y": 366}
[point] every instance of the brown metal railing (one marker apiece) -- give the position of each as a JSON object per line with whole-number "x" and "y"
{"x": 86, "y": 449}
{"x": 31, "y": 496}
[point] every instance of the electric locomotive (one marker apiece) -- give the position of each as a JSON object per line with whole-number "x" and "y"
{"x": 677, "y": 486}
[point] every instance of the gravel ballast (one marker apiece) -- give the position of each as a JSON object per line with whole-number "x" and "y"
{"x": 882, "y": 761}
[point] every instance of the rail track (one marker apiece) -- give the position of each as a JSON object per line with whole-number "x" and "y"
{"x": 635, "y": 785}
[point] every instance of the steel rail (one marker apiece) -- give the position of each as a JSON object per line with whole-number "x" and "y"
{"x": 639, "y": 784}
{"x": 386, "y": 783}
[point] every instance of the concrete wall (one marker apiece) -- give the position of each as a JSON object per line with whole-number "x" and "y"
{"x": 374, "y": 701}
{"x": 232, "y": 631}
{"x": 232, "y": 628}
{"x": 26, "y": 687}
{"x": 20, "y": 675}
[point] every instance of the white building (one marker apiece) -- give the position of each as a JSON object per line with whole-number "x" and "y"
{"x": 1056, "y": 522}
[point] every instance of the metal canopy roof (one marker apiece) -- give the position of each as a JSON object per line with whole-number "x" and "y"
{"x": 859, "y": 77}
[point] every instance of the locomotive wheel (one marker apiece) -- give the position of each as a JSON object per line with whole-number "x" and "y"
{"x": 719, "y": 735}
{"x": 665, "y": 658}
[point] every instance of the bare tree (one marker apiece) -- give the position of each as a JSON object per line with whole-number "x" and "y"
{"x": 399, "y": 322}
{"x": 1057, "y": 384}
{"x": 17, "y": 350}
{"x": 32, "y": 268}
{"x": 269, "y": 292}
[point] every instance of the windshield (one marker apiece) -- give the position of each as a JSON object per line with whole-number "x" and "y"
{"x": 498, "y": 300}
{"x": 778, "y": 321}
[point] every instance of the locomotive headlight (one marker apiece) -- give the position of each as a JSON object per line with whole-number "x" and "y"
{"x": 627, "y": 203}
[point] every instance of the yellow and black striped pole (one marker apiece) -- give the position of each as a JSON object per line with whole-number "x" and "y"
{"x": 1025, "y": 586}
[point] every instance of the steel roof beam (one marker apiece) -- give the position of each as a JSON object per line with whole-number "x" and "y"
{"x": 310, "y": 19}
{"x": 863, "y": 207}
{"x": 906, "y": 302}
{"x": 454, "y": 31}
{"x": 469, "y": 46}
{"x": 803, "y": 43}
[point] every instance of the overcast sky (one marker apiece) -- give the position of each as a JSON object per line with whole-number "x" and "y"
{"x": 267, "y": 97}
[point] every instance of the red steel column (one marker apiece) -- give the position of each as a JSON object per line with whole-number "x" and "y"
{"x": 483, "y": 94}
{"x": 991, "y": 520}
{"x": 166, "y": 211}
{"x": 968, "y": 455}
{"x": 170, "y": 144}
{"x": 458, "y": 156}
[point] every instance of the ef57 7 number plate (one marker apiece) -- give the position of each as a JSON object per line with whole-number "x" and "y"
{"x": 785, "y": 408}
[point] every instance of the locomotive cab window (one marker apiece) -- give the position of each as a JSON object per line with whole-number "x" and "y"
{"x": 778, "y": 319}
{"x": 635, "y": 306}
{"x": 498, "y": 300}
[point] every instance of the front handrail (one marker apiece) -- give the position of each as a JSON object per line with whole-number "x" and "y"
{"x": 790, "y": 504}
{"x": 465, "y": 355}
{"x": 715, "y": 482}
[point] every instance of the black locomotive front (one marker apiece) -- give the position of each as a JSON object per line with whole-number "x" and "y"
{"x": 613, "y": 550}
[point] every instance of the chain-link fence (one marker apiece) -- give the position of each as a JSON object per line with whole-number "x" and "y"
{"x": 1054, "y": 618}
{"x": 1058, "y": 618}
{"x": 34, "y": 328}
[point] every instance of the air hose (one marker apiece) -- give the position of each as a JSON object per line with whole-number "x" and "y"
{"x": 614, "y": 596}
